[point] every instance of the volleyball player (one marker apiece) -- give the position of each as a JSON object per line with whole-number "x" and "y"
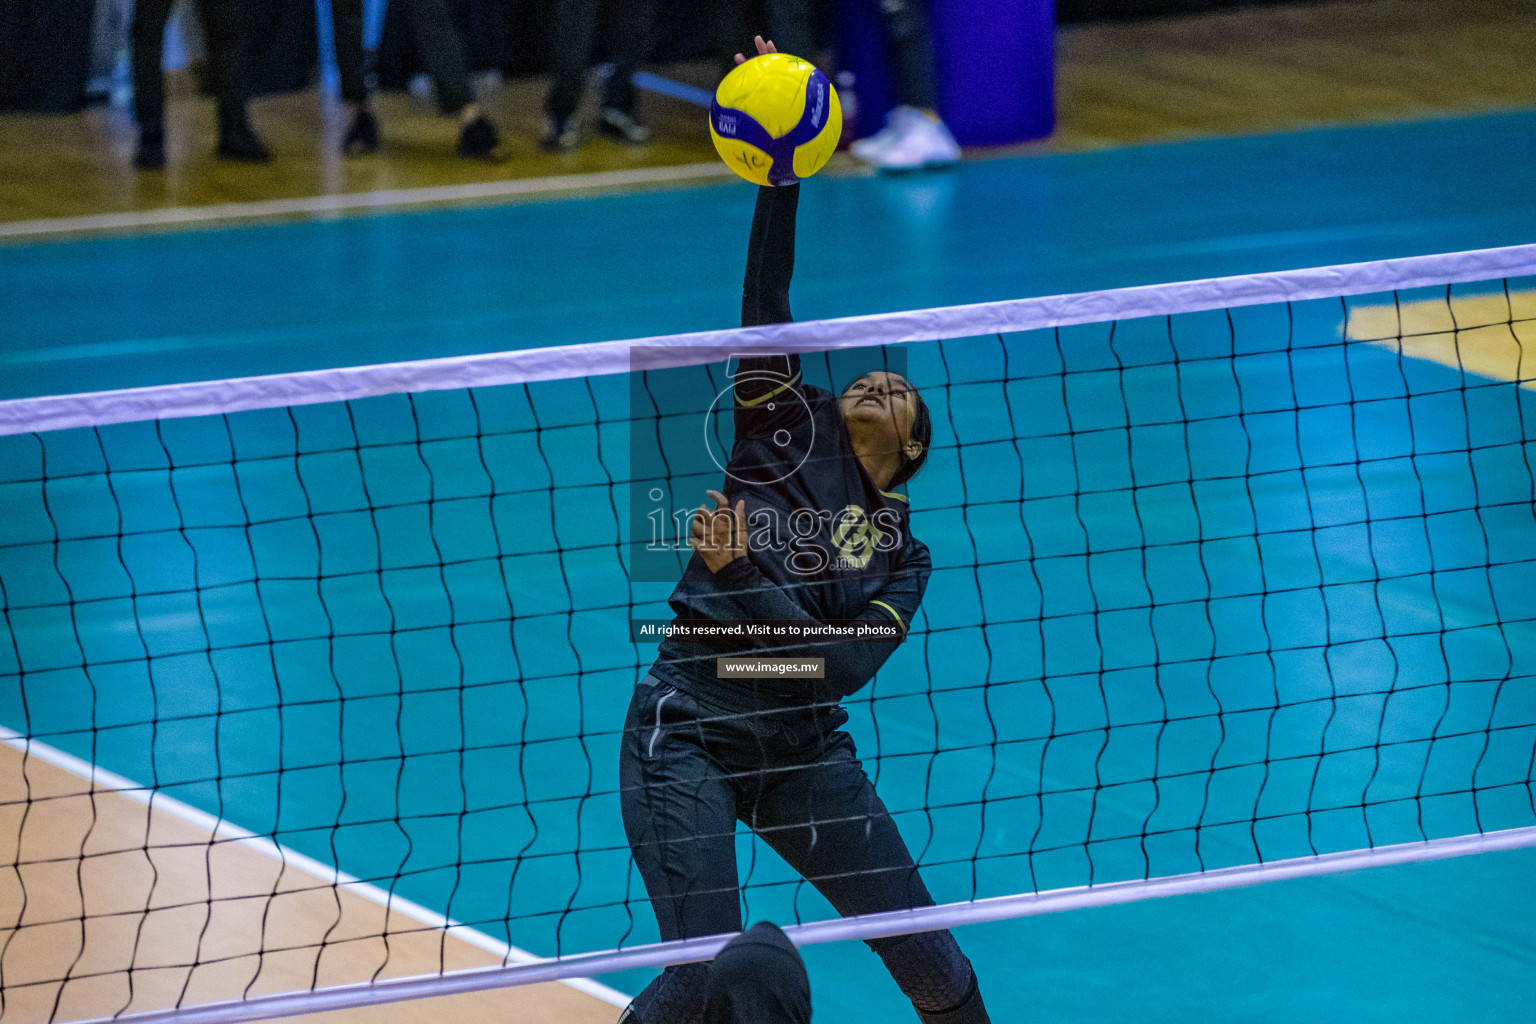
{"x": 813, "y": 476}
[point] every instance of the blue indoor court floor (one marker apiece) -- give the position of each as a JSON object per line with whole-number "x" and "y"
{"x": 1272, "y": 666}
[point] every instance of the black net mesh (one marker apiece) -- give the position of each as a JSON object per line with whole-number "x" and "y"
{"x": 1210, "y": 589}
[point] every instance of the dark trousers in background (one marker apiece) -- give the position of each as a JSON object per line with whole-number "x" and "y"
{"x": 793, "y": 27}
{"x": 628, "y": 37}
{"x": 906, "y": 23}
{"x": 347, "y": 32}
{"x": 442, "y": 51}
{"x": 438, "y": 44}
{"x": 224, "y": 25}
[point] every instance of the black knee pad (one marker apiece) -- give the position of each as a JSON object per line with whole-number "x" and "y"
{"x": 932, "y": 972}
{"x": 970, "y": 1011}
{"x": 677, "y": 997}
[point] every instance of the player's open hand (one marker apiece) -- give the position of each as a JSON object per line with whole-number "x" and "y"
{"x": 719, "y": 534}
{"x": 763, "y": 46}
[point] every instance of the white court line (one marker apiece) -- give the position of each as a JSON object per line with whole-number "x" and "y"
{"x": 327, "y": 874}
{"x": 349, "y": 202}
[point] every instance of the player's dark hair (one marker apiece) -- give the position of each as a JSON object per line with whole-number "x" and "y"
{"x": 922, "y": 433}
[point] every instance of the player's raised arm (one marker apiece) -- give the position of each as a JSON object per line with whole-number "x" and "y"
{"x": 765, "y": 286}
{"x": 765, "y": 292}
{"x": 775, "y": 120}
{"x": 770, "y": 256}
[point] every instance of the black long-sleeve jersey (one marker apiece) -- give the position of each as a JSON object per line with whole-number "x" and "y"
{"x": 825, "y": 544}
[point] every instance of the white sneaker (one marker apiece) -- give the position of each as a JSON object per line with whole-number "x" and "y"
{"x": 869, "y": 149}
{"x": 915, "y": 140}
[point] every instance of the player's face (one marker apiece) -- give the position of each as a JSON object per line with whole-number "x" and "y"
{"x": 881, "y": 404}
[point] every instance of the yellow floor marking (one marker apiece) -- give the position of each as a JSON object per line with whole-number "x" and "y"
{"x": 1490, "y": 335}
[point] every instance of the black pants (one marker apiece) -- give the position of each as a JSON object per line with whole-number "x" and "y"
{"x": 798, "y": 27}
{"x": 791, "y": 25}
{"x": 224, "y": 23}
{"x": 628, "y": 24}
{"x": 688, "y": 773}
{"x": 906, "y": 22}
{"x": 347, "y": 34}
{"x": 442, "y": 51}
{"x": 439, "y": 46}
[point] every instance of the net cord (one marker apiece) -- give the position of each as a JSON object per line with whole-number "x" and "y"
{"x": 870, "y": 926}
{"x": 208, "y": 398}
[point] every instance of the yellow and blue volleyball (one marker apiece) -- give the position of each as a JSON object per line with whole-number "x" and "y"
{"x": 775, "y": 119}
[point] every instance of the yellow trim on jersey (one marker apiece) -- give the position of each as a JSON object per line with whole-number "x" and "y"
{"x": 763, "y": 398}
{"x": 888, "y": 608}
{"x": 893, "y": 494}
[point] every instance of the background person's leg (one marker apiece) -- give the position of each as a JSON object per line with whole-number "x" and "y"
{"x": 442, "y": 50}
{"x": 148, "y": 36}
{"x": 351, "y": 62}
{"x": 575, "y": 24}
{"x": 227, "y": 24}
{"x": 906, "y": 23}
{"x": 347, "y": 35}
{"x": 732, "y": 33}
{"x": 789, "y": 26}
{"x": 628, "y": 24}
{"x": 913, "y": 136}
{"x": 628, "y": 36}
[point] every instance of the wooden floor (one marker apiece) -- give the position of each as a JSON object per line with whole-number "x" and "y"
{"x": 153, "y": 890}
{"x": 81, "y": 164}
{"x": 1292, "y": 66}
{"x": 1235, "y": 72}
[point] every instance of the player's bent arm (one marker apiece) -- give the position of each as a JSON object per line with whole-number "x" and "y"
{"x": 744, "y": 593}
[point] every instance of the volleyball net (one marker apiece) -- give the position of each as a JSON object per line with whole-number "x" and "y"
{"x": 313, "y": 685}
